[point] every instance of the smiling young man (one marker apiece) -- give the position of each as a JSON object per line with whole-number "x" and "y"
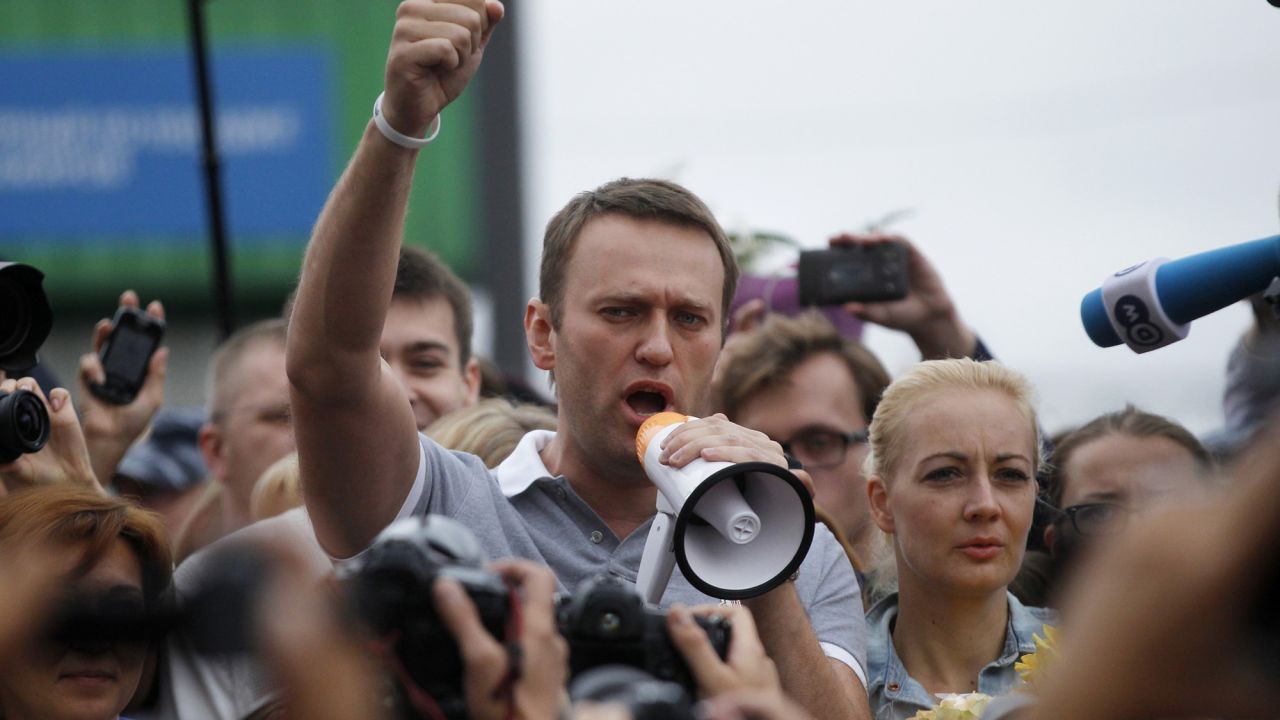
{"x": 426, "y": 337}
{"x": 635, "y": 281}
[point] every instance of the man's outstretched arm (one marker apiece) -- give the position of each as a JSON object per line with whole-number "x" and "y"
{"x": 356, "y": 435}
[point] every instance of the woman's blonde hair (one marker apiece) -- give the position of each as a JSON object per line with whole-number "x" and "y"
{"x": 277, "y": 490}
{"x": 490, "y": 429}
{"x": 888, "y": 441}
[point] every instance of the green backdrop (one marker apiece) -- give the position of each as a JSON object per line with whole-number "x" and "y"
{"x": 88, "y": 272}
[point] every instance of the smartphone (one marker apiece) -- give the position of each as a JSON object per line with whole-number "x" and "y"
{"x": 853, "y": 273}
{"x": 135, "y": 337}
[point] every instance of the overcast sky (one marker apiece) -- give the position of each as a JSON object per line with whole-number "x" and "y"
{"x": 1041, "y": 145}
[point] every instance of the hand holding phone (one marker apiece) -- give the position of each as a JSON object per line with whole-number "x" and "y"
{"x": 924, "y": 310}
{"x": 126, "y": 354}
{"x": 854, "y": 273}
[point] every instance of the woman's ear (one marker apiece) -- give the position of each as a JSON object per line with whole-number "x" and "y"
{"x": 878, "y": 502}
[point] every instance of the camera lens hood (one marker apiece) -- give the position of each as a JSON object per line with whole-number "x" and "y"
{"x": 25, "y": 316}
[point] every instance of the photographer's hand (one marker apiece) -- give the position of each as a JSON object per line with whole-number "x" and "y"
{"x": 927, "y": 313}
{"x": 746, "y": 666}
{"x": 64, "y": 458}
{"x": 537, "y": 676}
{"x": 110, "y": 429}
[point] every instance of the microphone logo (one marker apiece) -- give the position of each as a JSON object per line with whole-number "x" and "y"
{"x": 1133, "y": 315}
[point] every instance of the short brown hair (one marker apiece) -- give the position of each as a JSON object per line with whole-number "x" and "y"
{"x": 421, "y": 275}
{"x": 1129, "y": 421}
{"x": 82, "y": 518}
{"x": 227, "y": 357}
{"x": 641, "y": 199}
{"x": 768, "y": 354}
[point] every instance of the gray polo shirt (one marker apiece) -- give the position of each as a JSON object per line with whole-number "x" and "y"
{"x": 520, "y": 510}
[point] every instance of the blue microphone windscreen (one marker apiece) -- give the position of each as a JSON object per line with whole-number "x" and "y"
{"x": 1195, "y": 286}
{"x": 1093, "y": 313}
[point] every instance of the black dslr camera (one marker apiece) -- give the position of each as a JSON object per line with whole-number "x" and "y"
{"x": 25, "y": 316}
{"x": 607, "y": 623}
{"x": 25, "y": 321}
{"x": 389, "y": 587}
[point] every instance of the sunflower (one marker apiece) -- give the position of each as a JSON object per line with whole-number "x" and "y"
{"x": 1031, "y": 666}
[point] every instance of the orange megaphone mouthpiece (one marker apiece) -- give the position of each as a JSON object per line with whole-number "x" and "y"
{"x": 651, "y": 428}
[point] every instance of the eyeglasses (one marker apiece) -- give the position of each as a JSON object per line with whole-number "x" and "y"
{"x": 1099, "y": 518}
{"x": 821, "y": 449}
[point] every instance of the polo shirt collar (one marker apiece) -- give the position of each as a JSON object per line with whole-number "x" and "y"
{"x": 524, "y": 465}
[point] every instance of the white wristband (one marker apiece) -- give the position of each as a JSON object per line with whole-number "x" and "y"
{"x": 400, "y": 139}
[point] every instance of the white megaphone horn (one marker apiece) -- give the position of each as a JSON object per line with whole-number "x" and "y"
{"x": 737, "y": 530}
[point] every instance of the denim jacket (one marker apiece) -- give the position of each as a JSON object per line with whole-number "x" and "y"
{"x": 895, "y": 695}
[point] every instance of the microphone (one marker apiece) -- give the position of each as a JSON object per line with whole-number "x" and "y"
{"x": 1152, "y": 304}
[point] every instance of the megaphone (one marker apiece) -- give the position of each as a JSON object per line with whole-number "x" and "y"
{"x": 737, "y": 530}
{"x": 1152, "y": 304}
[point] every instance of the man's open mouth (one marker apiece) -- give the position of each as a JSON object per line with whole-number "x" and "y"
{"x": 648, "y": 399}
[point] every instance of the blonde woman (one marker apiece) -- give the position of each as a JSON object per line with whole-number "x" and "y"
{"x": 491, "y": 428}
{"x": 951, "y": 482}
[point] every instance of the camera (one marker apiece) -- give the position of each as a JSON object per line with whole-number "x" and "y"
{"x": 389, "y": 588}
{"x": 25, "y": 316}
{"x": 606, "y": 622}
{"x": 24, "y": 424}
{"x": 854, "y": 273}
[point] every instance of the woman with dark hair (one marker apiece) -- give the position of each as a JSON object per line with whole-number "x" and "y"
{"x": 1112, "y": 467}
{"x": 104, "y": 551}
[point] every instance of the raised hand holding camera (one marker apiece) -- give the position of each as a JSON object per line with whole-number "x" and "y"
{"x": 926, "y": 313}
{"x": 40, "y": 438}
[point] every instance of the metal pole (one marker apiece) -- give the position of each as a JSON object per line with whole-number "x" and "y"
{"x": 212, "y": 172}
{"x": 502, "y": 208}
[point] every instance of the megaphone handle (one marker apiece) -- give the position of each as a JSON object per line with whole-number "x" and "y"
{"x": 658, "y": 559}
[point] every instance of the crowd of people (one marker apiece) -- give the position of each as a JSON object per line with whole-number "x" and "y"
{"x": 954, "y": 535}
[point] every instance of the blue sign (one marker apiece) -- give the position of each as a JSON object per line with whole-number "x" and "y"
{"x": 106, "y": 143}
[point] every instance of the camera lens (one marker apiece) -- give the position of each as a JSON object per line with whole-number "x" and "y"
{"x": 30, "y": 419}
{"x": 24, "y": 424}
